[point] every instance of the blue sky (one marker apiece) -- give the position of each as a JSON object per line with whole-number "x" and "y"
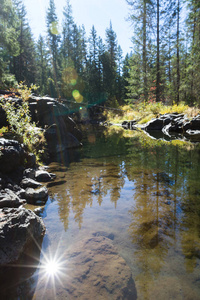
{"x": 88, "y": 12}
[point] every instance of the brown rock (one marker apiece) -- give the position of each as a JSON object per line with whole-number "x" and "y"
{"x": 94, "y": 270}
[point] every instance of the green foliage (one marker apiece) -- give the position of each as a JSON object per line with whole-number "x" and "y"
{"x": 20, "y": 125}
{"x": 3, "y": 130}
{"x": 25, "y": 91}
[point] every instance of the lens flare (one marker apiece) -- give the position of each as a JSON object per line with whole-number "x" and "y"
{"x": 52, "y": 267}
{"x": 77, "y": 96}
{"x": 69, "y": 76}
{"x": 54, "y": 28}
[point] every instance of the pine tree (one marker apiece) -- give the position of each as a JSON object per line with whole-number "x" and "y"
{"x": 9, "y": 45}
{"x": 67, "y": 33}
{"x": 24, "y": 65}
{"x": 193, "y": 57}
{"x": 142, "y": 12}
{"x": 53, "y": 44}
{"x": 111, "y": 47}
{"x": 42, "y": 66}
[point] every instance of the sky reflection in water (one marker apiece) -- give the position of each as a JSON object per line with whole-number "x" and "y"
{"x": 144, "y": 195}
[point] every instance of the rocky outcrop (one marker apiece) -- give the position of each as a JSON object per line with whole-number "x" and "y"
{"x": 10, "y": 199}
{"x": 54, "y": 118}
{"x": 97, "y": 271}
{"x": 170, "y": 125}
{"x": 12, "y": 155}
{"x": 18, "y": 184}
{"x": 61, "y": 132}
{"x": 19, "y": 229}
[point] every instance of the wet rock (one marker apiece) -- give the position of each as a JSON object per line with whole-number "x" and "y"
{"x": 44, "y": 176}
{"x": 96, "y": 272}
{"x": 110, "y": 236}
{"x": 32, "y": 196}
{"x": 18, "y": 229}
{"x": 157, "y": 124}
{"x": 9, "y": 199}
{"x": 28, "y": 182}
{"x": 194, "y": 124}
{"x": 129, "y": 124}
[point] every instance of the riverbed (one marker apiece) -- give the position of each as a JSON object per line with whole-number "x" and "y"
{"x": 143, "y": 195}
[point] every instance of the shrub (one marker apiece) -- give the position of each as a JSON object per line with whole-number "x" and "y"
{"x": 20, "y": 125}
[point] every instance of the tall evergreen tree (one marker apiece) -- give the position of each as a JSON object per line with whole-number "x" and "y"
{"x": 42, "y": 66}
{"x": 67, "y": 33}
{"x": 53, "y": 43}
{"x": 111, "y": 46}
{"x": 24, "y": 65}
{"x": 141, "y": 18}
{"x": 9, "y": 45}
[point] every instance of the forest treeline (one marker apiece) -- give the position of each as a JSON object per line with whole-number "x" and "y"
{"x": 164, "y": 64}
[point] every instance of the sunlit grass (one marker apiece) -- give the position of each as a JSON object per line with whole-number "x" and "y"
{"x": 144, "y": 112}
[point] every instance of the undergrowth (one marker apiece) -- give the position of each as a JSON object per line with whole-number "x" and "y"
{"x": 144, "y": 112}
{"x": 20, "y": 124}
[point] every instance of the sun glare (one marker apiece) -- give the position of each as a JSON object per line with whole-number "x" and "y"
{"x": 52, "y": 268}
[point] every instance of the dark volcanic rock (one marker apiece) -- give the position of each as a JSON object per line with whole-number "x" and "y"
{"x": 19, "y": 228}
{"x": 194, "y": 124}
{"x": 29, "y": 173}
{"x": 44, "y": 176}
{"x": 60, "y": 130}
{"x": 9, "y": 199}
{"x": 157, "y": 124}
{"x": 12, "y": 155}
{"x": 32, "y": 196}
{"x": 96, "y": 272}
{"x": 28, "y": 182}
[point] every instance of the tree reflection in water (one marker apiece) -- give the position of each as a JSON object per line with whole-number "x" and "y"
{"x": 162, "y": 213}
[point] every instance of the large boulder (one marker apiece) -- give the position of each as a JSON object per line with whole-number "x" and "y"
{"x": 59, "y": 139}
{"x": 12, "y": 155}
{"x": 33, "y": 196}
{"x": 156, "y": 124}
{"x": 194, "y": 124}
{"x": 19, "y": 229}
{"x": 10, "y": 199}
{"x": 60, "y": 130}
{"x": 95, "y": 271}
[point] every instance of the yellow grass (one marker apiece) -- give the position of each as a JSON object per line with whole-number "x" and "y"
{"x": 143, "y": 112}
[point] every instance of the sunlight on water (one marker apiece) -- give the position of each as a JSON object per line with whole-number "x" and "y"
{"x": 140, "y": 196}
{"x": 52, "y": 268}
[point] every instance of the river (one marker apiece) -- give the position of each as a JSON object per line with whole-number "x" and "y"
{"x": 144, "y": 195}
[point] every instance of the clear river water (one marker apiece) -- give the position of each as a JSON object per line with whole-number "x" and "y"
{"x": 143, "y": 195}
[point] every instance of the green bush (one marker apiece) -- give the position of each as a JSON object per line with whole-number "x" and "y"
{"x": 20, "y": 125}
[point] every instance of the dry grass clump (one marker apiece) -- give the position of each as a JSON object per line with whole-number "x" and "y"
{"x": 144, "y": 112}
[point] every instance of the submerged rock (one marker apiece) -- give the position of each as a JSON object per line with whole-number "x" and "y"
{"x": 19, "y": 228}
{"x": 96, "y": 272}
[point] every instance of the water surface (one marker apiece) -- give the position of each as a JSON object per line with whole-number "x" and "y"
{"x": 144, "y": 195}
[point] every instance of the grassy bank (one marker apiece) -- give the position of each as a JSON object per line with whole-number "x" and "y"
{"x": 144, "y": 112}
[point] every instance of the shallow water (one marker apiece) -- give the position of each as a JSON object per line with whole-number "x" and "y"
{"x": 144, "y": 195}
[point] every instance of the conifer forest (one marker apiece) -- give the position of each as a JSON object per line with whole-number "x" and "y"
{"x": 163, "y": 64}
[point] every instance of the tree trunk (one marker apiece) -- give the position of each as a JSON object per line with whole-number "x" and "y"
{"x": 158, "y": 54}
{"x": 144, "y": 50}
{"x": 178, "y": 58}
